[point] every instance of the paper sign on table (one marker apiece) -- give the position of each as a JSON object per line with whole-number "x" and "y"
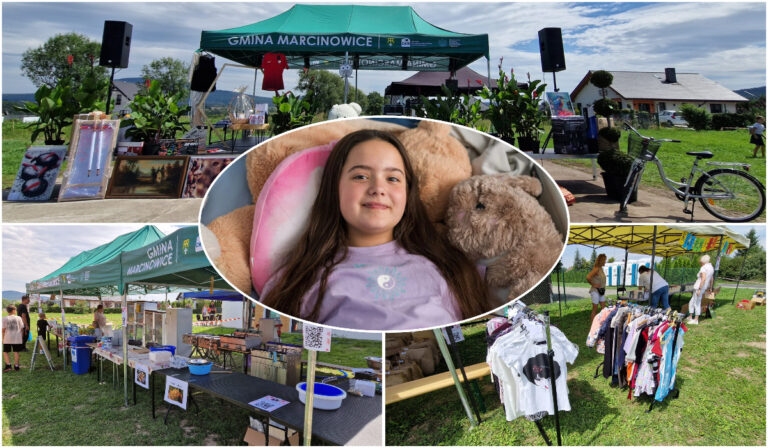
{"x": 268, "y": 403}
{"x": 317, "y": 338}
{"x": 141, "y": 375}
{"x": 458, "y": 336}
{"x": 176, "y": 392}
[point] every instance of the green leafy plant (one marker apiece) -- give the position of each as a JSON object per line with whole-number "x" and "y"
{"x": 697, "y": 118}
{"x": 601, "y": 79}
{"x": 606, "y": 107}
{"x": 530, "y": 116}
{"x": 55, "y": 108}
{"x": 503, "y": 111}
{"x": 454, "y": 108}
{"x": 155, "y": 115}
{"x": 615, "y": 162}
{"x": 292, "y": 112}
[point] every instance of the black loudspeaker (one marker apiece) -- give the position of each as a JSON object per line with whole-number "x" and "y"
{"x": 551, "y": 48}
{"x": 115, "y": 44}
{"x": 452, "y": 84}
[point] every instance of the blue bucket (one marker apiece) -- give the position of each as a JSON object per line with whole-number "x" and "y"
{"x": 200, "y": 369}
{"x": 163, "y": 348}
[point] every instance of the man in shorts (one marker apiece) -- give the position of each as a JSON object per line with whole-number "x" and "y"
{"x": 23, "y": 313}
{"x": 13, "y": 330}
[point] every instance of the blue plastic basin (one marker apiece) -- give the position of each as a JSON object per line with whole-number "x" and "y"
{"x": 200, "y": 369}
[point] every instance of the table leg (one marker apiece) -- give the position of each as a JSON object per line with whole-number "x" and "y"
{"x": 134, "y": 386}
{"x": 152, "y": 393}
{"x": 245, "y": 363}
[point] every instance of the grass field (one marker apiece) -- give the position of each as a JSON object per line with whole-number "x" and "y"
{"x": 721, "y": 377}
{"x": 727, "y": 146}
{"x": 58, "y": 408}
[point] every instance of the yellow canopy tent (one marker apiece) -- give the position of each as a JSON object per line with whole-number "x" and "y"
{"x": 663, "y": 240}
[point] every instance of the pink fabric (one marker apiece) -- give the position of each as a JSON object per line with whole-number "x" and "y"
{"x": 282, "y": 209}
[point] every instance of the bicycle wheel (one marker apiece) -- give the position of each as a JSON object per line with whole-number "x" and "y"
{"x": 731, "y": 195}
{"x": 630, "y": 185}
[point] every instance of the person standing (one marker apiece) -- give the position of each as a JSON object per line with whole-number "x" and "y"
{"x": 99, "y": 321}
{"x": 23, "y": 313}
{"x": 702, "y": 285}
{"x": 42, "y": 326}
{"x": 596, "y": 279}
{"x": 13, "y": 329}
{"x": 757, "y": 138}
{"x": 660, "y": 287}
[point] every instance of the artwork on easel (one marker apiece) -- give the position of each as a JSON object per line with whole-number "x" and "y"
{"x": 136, "y": 177}
{"x": 560, "y": 104}
{"x": 90, "y": 159}
{"x": 37, "y": 173}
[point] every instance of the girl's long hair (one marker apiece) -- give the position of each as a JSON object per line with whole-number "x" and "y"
{"x": 597, "y": 261}
{"x": 324, "y": 244}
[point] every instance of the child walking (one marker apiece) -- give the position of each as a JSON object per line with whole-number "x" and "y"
{"x": 370, "y": 258}
{"x": 757, "y": 138}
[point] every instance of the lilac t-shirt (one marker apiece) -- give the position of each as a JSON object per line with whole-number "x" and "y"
{"x": 382, "y": 288}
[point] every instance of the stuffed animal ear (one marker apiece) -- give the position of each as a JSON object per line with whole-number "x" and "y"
{"x": 435, "y": 127}
{"x": 529, "y": 184}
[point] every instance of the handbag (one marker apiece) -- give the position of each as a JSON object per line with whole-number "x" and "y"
{"x": 601, "y": 291}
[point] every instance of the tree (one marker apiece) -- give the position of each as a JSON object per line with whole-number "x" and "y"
{"x": 171, "y": 74}
{"x": 593, "y": 258}
{"x": 375, "y": 104}
{"x": 754, "y": 242}
{"x": 69, "y": 55}
{"x": 322, "y": 89}
{"x": 611, "y": 260}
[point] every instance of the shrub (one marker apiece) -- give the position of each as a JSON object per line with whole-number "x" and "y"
{"x": 720, "y": 121}
{"x": 615, "y": 162}
{"x": 606, "y": 107}
{"x": 611, "y": 134}
{"x": 601, "y": 79}
{"x": 697, "y": 118}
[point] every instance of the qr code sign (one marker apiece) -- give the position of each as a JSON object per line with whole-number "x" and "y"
{"x": 317, "y": 338}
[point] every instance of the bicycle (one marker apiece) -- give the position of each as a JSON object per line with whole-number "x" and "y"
{"x": 727, "y": 192}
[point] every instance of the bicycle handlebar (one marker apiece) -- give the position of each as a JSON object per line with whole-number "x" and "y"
{"x": 630, "y": 128}
{"x": 667, "y": 140}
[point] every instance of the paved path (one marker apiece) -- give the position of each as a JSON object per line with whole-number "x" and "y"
{"x": 593, "y": 206}
{"x": 182, "y": 211}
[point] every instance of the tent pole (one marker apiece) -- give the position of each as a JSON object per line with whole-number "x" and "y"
{"x": 452, "y": 369}
{"x": 356, "y": 85}
{"x": 717, "y": 263}
{"x": 624, "y": 279}
{"x": 741, "y": 271}
{"x": 346, "y": 79}
{"x": 124, "y": 306}
{"x": 63, "y": 321}
{"x": 255, "y": 77}
{"x": 653, "y": 262}
{"x": 488, "y": 60}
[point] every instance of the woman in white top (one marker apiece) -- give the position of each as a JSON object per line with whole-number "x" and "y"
{"x": 596, "y": 279}
{"x": 703, "y": 284}
{"x": 660, "y": 287}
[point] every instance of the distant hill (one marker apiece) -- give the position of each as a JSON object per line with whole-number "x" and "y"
{"x": 218, "y": 98}
{"x": 16, "y": 295}
{"x": 754, "y": 92}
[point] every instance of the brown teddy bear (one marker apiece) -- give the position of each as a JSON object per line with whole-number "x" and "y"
{"x": 498, "y": 217}
{"x": 439, "y": 160}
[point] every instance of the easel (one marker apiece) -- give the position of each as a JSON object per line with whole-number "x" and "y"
{"x": 40, "y": 344}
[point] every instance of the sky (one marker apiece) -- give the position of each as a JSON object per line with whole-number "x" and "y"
{"x": 34, "y": 251}
{"x": 618, "y": 254}
{"x": 723, "y": 41}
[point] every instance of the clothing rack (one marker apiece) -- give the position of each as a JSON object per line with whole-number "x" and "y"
{"x": 544, "y": 319}
{"x": 676, "y": 319}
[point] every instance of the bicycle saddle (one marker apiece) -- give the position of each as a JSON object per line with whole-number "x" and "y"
{"x": 701, "y": 154}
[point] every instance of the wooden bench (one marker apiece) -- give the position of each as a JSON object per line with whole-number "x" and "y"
{"x": 432, "y": 383}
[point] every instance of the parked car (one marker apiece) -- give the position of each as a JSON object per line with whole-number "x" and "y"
{"x": 672, "y": 118}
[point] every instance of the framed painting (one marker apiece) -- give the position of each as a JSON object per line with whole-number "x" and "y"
{"x": 201, "y": 172}
{"x": 37, "y": 173}
{"x": 90, "y": 157}
{"x": 560, "y": 104}
{"x": 135, "y": 177}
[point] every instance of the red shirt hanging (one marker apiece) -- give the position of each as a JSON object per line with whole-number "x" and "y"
{"x": 273, "y": 65}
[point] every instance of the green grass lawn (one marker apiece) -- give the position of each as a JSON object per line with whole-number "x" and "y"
{"x": 58, "y": 408}
{"x": 721, "y": 377}
{"x": 727, "y": 146}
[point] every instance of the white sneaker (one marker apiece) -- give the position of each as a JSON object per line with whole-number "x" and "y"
{"x": 693, "y": 322}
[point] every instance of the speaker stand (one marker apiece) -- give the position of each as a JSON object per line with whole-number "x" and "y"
{"x": 109, "y": 90}
{"x": 554, "y": 81}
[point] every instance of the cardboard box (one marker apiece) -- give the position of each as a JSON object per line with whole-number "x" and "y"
{"x": 276, "y": 437}
{"x": 758, "y": 301}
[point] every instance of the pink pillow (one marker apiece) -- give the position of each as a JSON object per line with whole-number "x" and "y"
{"x": 282, "y": 209}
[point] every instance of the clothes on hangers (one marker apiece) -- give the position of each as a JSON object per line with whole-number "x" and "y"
{"x": 204, "y": 74}
{"x": 273, "y": 65}
{"x": 637, "y": 347}
{"x": 518, "y": 358}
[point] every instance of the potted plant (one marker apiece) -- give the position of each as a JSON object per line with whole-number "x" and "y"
{"x": 528, "y": 125}
{"x": 616, "y": 166}
{"x": 604, "y": 107}
{"x": 154, "y": 117}
{"x": 292, "y": 112}
{"x": 55, "y": 107}
{"x": 503, "y": 105}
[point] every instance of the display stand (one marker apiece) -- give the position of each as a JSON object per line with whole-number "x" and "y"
{"x": 40, "y": 346}
{"x": 459, "y": 362}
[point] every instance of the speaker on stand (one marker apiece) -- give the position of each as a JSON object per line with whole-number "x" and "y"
{"x": 551, "y": 49}
{"x": 115, "y": 48}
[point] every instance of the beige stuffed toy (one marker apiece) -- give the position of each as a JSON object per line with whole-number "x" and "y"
{"x": 439, "y": 160}
{"x": 498, "y": 217}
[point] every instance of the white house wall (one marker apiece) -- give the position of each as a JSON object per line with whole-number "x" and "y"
{"x": 589, "y": 94}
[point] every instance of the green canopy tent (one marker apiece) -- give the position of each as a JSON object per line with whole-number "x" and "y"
{"x": 663, "y": 240}
{"x": 364, "y": 37}
{"x": 173, "y": 262}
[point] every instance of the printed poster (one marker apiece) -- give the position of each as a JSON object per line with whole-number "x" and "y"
{"x": 317, "y": 338}
{"x": 141, "y": 375}
{"x": 269, "y": 403}
{"x": 176, "y": 392}
{"x": 458, "y": 336}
